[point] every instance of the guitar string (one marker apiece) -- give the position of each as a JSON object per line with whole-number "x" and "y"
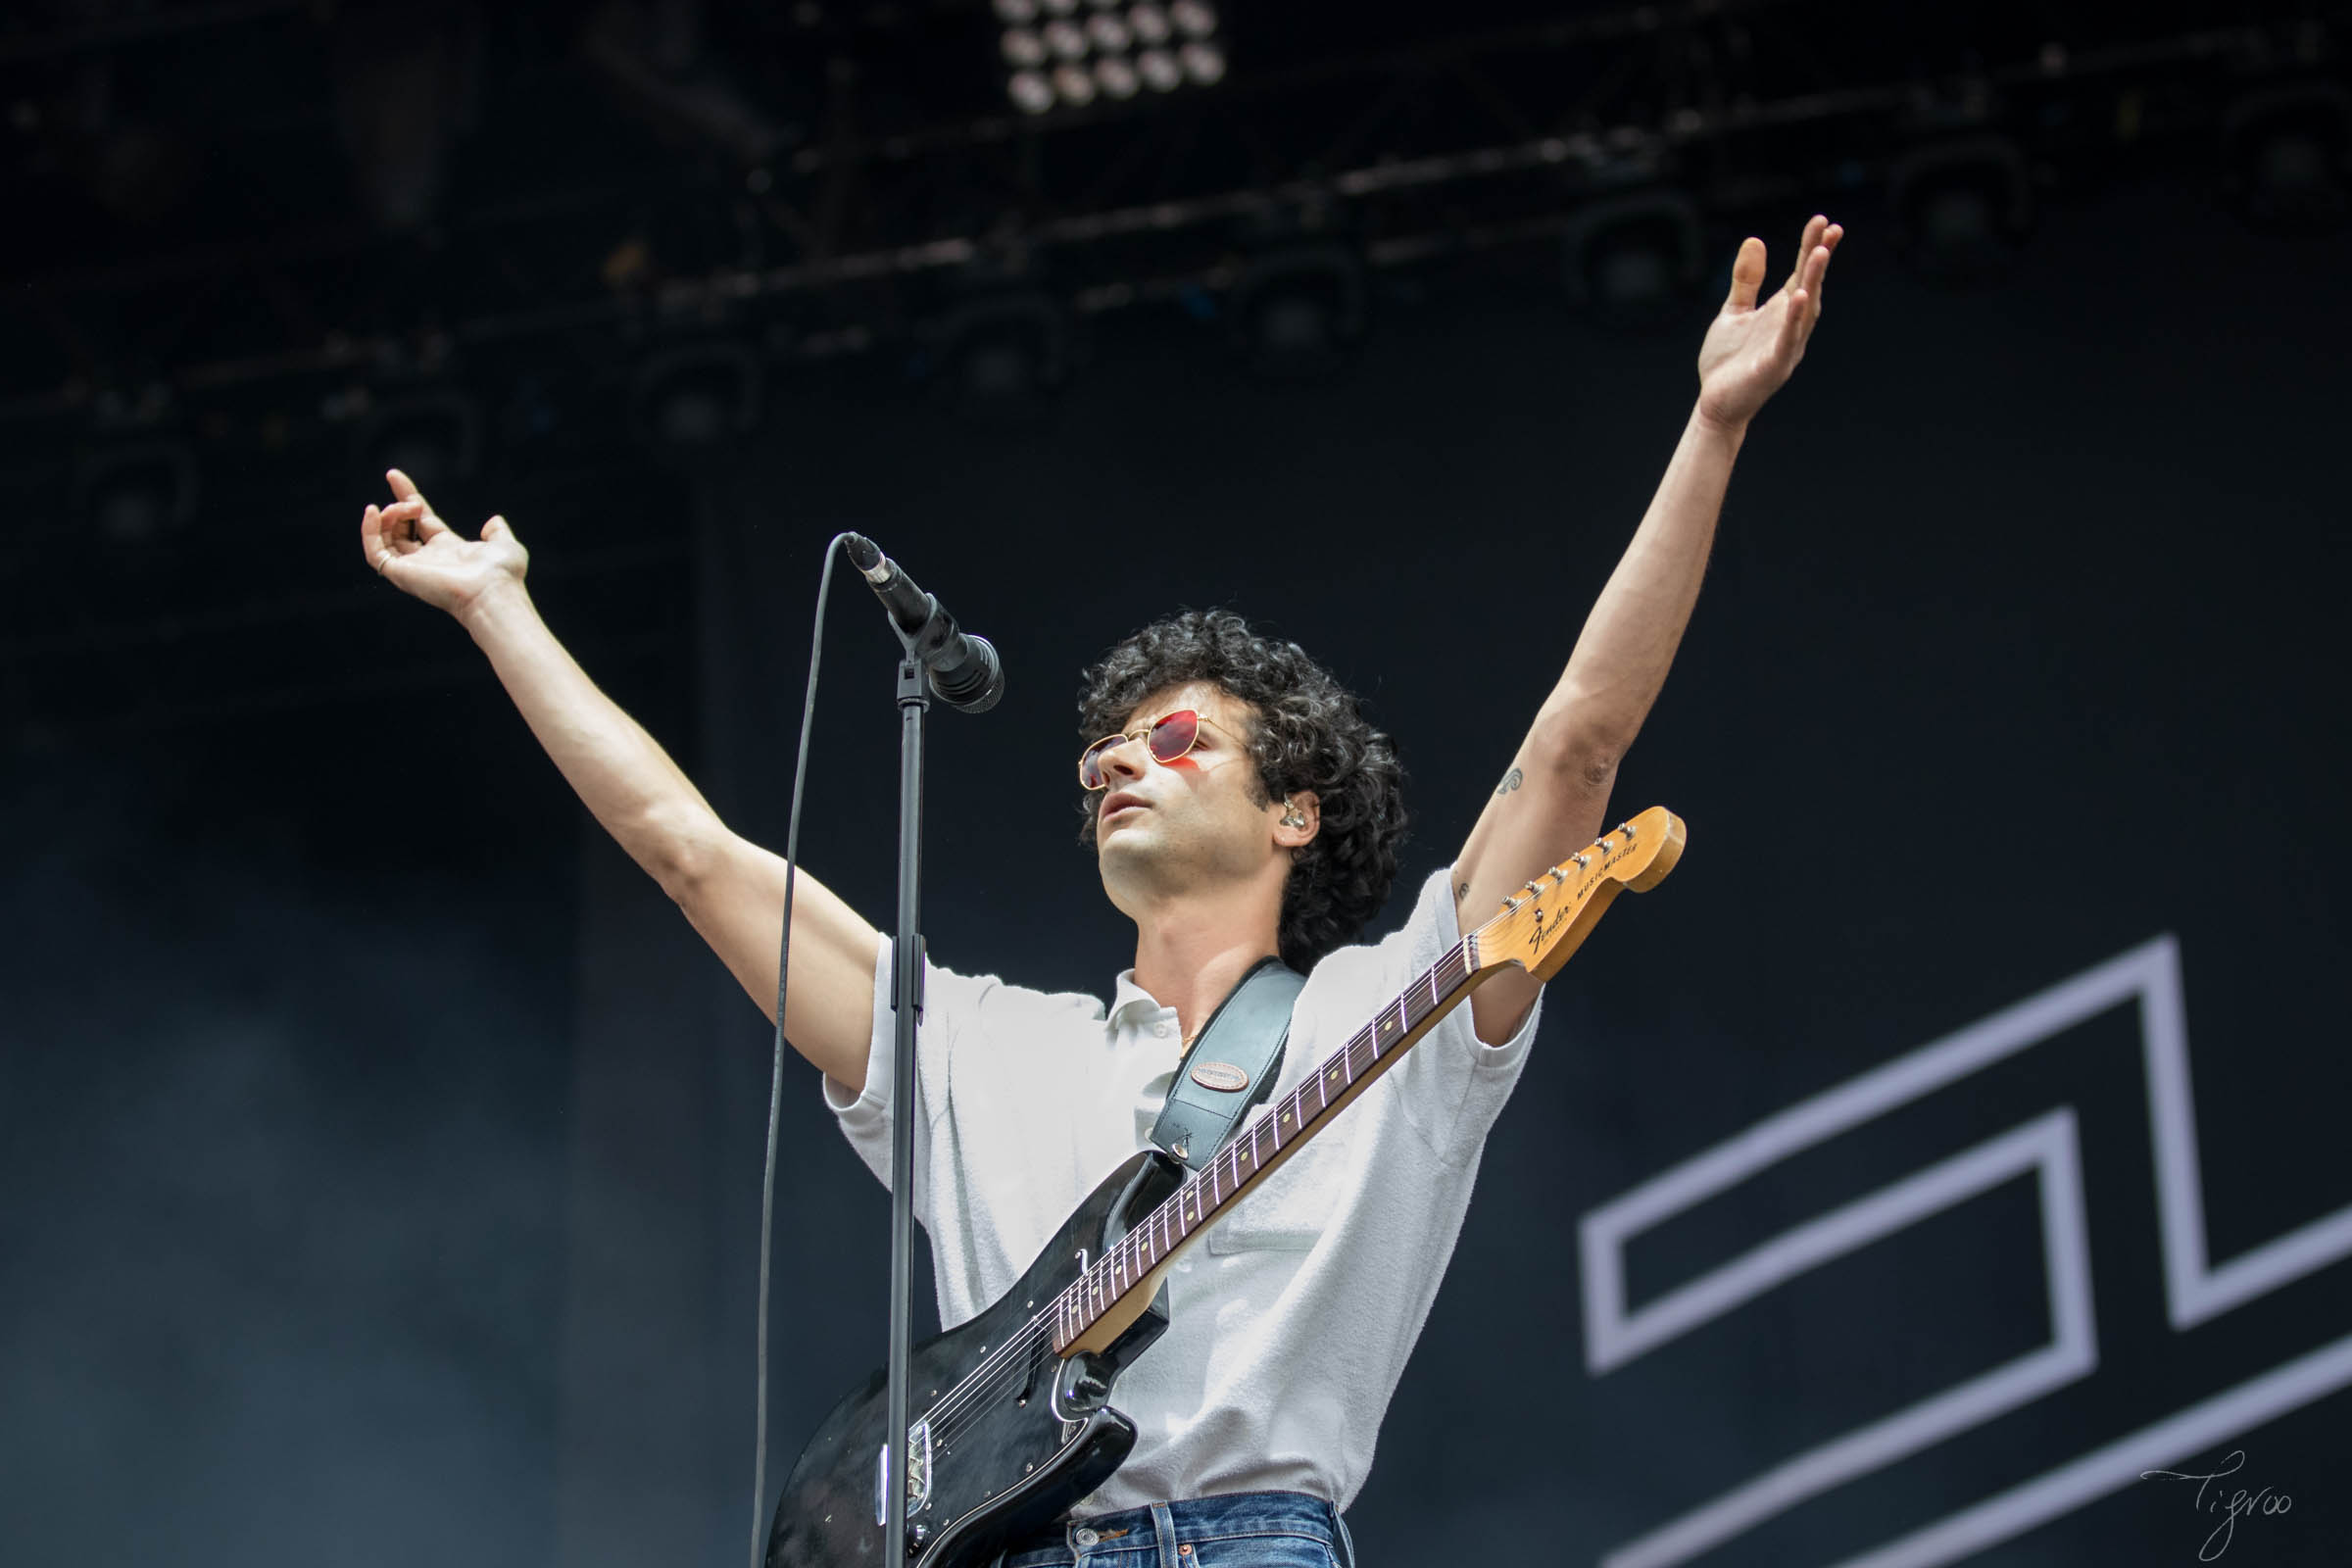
{"x": 1008, "y": 1359}
{"x": 991, "y": 1372}
{"x": 1099, "y": 1281}
{"x": 1103, "y": 1277}
{"x": 995, "y": 1369}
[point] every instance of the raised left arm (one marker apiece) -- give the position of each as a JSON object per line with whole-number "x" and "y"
{"x": 1554, "y": 798}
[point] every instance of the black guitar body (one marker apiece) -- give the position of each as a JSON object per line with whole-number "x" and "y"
{"x": 1029, "y": 1439}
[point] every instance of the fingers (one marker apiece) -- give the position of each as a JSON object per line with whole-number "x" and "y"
{"x": 406, "y": 525}
{"x": 1804, "y": 285}
{"x": 1795, "y": 323}
{"x": 424, "y": 522}
{"x": 1820, "y": 245}
{"x": 387, "y": 533}
{"x": 1804, "y": 251}
{"x": 377, "y": 539}
{"x": 1748, "y": 275}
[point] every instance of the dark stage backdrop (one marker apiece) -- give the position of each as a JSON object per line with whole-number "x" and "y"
{"x": 1954, "y": 1136}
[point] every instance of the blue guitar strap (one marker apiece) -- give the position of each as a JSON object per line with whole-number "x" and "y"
{"x": 1232, "y": 1063}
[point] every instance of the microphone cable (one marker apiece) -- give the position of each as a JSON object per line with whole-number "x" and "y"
{"x": 775, "y": 1086}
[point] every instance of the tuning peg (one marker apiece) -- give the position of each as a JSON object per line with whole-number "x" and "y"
{"x": 1583, "y": 860}
{"x": 1535, "y": 887}
{"x": 1559, "y": 875}
{"x": 1626, "y": 828}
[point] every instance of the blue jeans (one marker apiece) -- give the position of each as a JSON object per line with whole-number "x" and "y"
{"x": 1232, "y": 1530}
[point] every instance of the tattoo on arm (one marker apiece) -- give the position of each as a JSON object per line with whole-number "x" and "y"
{"x": 1510, "y": 782}
{"x": 1462, "y": 893}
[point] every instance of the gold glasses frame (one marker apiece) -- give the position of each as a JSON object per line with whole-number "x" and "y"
{"x": 1109, "y": 743}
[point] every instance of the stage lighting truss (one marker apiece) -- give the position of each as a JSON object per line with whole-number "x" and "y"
{"x": 1068, "y": 54}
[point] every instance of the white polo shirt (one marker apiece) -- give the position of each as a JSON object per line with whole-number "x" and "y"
{"x": 1291, "y": 1321}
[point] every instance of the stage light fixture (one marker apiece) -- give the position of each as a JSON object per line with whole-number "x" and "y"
{"x": 1192, "y": 19}
{"x": 1961, "y": 207}
{"x": 695, "y": 395}
{"x": 1117, "y": 79}
{"x": 1634, "y": 256}
{"x": 2286, "y": 156}
{"x": 432, "y": 437}
{"x": 1002, "y": 354}
{"x": 134, "y": 493}
{"x": 1301, "y": 310}
{"x": 1029, "y": 92}
{"x": 1060, "y": 54}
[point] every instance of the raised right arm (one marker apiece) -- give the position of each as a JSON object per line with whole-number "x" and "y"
{"x": 730, "y": 889}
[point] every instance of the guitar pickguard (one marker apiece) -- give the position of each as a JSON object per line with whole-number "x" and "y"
{"x": 1015, "y": 1437}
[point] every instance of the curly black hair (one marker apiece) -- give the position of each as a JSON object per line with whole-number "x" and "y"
{"x": 1308, "y": 736}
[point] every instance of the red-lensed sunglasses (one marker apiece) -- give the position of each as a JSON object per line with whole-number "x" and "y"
{"x": 1167, "y": 738}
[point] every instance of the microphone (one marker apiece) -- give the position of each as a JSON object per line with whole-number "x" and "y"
{"x": 965, "y": 669}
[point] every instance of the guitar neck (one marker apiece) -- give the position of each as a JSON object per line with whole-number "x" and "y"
{"x": 1236, "y": 1169}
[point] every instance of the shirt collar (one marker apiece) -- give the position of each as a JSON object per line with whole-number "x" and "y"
{"x": 1129, "y": 1001}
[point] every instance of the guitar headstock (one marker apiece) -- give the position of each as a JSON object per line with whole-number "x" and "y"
{"x": 1545, "y": 922}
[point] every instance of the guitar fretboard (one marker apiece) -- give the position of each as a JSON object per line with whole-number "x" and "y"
{"x": 1205, "y": 1195}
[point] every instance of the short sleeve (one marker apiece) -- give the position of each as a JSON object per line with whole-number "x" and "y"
{"x": 950, "y": 1001}
{"x": 1452, "y": 1085}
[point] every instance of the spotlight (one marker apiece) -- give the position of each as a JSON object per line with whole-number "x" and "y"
{"x": 1003, "y": 354}
{"x": 433, "y": 437}
{"x": 2285, "y": 158}
{"x": 134, "y": 493}
{"x": 695, "y": 395}
{"x": 1117, "y": 79}
{"x": 1059, "y": 53}
{"x": 1031, "y": 93}
{"x": 1301, "y": 310}
{"x": 1633, "y": 258}
{"x": 1961, "y": 208}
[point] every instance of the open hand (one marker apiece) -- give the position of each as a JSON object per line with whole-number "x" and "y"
{"x": 1751, "y": 349}
{"x": 409, "y": 545}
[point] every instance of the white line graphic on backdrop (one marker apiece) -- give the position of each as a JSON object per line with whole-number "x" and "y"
{"x": 2046, "y": 1143}
{"x": 2194, "y": 1291}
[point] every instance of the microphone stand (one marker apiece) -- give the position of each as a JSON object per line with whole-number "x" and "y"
{"x": 977, "y": 681}
{"x": 906, "y": 1002}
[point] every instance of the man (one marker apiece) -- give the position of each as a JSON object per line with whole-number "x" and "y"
{"x": 1238, "y": 807}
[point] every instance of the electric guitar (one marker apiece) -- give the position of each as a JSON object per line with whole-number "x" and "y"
{"x": 1009, "y": 1420}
